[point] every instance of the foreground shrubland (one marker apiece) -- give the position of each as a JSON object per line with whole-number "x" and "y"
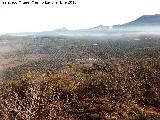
{"x": 117, "y": 89}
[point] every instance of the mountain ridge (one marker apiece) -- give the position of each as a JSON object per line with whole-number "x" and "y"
{"x": 143, "y": 23}
{"x": 145, "y": 20}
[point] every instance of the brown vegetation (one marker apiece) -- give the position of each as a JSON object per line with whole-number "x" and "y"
{"x": 127, "y": 89}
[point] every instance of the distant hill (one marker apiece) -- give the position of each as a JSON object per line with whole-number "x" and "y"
{"x": 150, "y": 22}
{"x": 145, "y": 20}
{"x": 100, "y": 28}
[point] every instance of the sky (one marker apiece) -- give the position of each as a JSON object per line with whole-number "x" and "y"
{"x": 84, "y": 14}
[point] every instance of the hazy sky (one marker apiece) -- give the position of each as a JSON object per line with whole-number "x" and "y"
{"x": 85, "y": 14}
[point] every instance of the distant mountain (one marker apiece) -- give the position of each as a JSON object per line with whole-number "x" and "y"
{"x": 61, "y": 30}
{"x": 143, "y": 23}
{"x": 152, "y": 22}
{"x": 145, "y": 20}
{"x": 100, "y": 28}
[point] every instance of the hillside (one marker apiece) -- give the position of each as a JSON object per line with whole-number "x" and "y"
{"x": 122, "y": 89}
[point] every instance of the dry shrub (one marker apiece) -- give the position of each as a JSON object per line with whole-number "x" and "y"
{"x": 114, "y": 89}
